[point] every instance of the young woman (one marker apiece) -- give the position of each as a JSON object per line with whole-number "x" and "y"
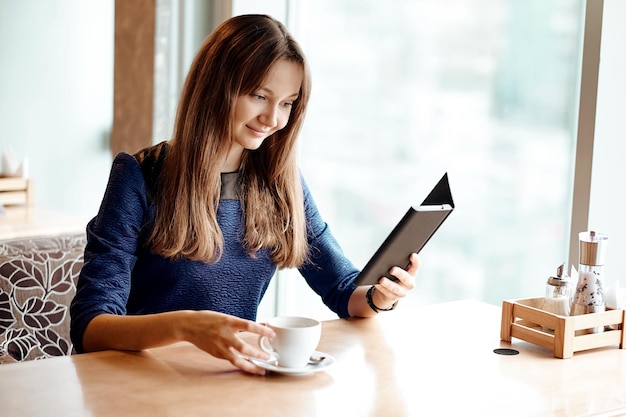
{"x": 190, "y": 231}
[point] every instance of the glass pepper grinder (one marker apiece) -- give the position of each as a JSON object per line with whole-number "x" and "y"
{"x": 557, "y": 299}
{"x": 589, "y": 297}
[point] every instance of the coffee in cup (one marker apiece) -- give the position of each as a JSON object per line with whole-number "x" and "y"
{"x": 295, "y": 341}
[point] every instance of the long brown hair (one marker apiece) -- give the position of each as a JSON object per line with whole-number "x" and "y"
{"x": 233, "y": 61}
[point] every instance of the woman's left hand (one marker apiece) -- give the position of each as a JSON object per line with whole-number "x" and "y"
{"x": 388, "y": 291}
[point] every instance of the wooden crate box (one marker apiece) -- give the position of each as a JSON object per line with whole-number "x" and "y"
{"x": 524, "y": 319}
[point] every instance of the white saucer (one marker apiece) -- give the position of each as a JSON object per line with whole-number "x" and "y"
{"x": 309, "y": 369}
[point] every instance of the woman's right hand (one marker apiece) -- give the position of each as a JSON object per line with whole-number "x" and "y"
{"x": 218, "y": 335}
{"x": 215, "y": 333}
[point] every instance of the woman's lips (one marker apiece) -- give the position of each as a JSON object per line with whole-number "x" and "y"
{"x": 258, "y": 132}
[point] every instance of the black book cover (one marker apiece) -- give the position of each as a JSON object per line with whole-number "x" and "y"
{"x": 410, "y": 235}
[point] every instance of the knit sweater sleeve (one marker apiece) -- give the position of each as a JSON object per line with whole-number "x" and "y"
{"x": 112, "y": 240}
{"x": 328, "y": 272}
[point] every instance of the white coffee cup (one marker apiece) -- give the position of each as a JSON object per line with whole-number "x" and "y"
{"x": 295, "y": 341}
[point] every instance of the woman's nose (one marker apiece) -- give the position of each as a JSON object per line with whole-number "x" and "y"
{"x": 269, "y": 117}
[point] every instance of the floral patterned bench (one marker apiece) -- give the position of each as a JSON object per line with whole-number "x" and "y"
{"x": 37, "y": 283}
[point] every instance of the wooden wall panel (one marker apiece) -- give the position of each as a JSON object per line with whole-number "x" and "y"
{"x": 133, "y": 75}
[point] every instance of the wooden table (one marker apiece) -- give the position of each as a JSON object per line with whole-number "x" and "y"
{"x": 433, "y": 360}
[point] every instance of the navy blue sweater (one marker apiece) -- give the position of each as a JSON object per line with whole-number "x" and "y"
{"x": 121, "y": 276}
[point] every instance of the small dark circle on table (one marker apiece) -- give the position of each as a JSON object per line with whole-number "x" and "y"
{"x": 506, "y": 351}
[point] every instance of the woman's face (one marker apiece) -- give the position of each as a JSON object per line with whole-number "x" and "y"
{"x": 267, "y": 110}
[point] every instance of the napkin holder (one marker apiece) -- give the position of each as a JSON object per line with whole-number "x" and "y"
{"x": 524, "y": 319}
{"x": 16, "y": 191}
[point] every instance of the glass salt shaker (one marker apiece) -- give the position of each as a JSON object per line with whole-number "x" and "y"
{"x": 557, "y": 299}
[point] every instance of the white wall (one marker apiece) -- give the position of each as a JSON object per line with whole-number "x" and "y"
{"x": 56, "y": 96}
{"x": 608, "y": 198}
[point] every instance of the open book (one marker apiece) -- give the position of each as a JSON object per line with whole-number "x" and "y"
{"x": 410, "y": 235}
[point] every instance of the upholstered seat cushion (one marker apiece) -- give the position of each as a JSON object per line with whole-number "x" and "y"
{"x": 37, "y": 283}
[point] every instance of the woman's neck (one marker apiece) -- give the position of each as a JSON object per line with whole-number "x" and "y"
{"x": 233, "y": 160}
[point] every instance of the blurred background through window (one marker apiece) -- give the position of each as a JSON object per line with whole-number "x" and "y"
{"x": 485, "y": 90}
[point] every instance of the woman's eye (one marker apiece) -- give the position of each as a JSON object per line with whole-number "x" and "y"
{"x": 258, "y": 97}
{"x": 288, "y": 105}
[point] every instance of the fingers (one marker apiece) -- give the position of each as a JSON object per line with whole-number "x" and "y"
{"x": 237, "y": 352}
{"x": 218, "y": 334}
{"x": 249, "y": 350}
{"x": 405, "y": 278}
{"x": 244, "y": 364}
{"x": 240, "y": 352}
{"x": 414, "y": 265}
{"x": 393, "y": 290}
{"x": 260, "y": 329}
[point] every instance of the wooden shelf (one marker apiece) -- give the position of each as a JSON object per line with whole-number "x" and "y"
{"x": 16, "y": 191}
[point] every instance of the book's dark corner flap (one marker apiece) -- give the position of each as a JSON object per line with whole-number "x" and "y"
{"x": 440, "y": 194}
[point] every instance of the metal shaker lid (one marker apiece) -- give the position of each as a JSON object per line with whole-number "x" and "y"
{"x": 592, "y": 248}
{"x": 560, "y": 279}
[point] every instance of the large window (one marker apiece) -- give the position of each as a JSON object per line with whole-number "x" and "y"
{"x": 485, "y": 90}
